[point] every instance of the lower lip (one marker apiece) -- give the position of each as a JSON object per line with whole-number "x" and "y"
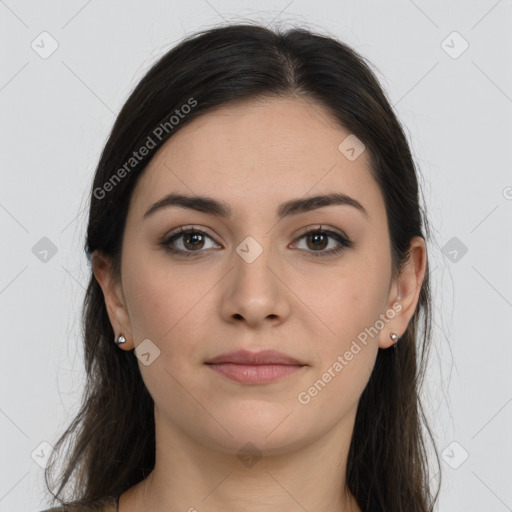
{"x": 254, "y": 374}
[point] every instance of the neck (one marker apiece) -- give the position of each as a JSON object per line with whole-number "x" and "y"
{"x": 195, "y": 477}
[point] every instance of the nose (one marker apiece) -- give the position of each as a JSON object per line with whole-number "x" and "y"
{"x": 255, "y": 290}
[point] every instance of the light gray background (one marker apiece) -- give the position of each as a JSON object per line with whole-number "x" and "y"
{"x": 57, "y": 112}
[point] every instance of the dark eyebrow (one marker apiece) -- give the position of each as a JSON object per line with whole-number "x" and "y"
{"x": 212, "y": 206}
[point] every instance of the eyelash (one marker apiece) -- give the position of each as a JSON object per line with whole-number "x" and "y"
{"x": 345, "y": 242}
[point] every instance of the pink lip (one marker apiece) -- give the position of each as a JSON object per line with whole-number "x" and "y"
{"x": 255, "y": 367}
{"x": 256, "y": 373}
{"x": 255, "y": 358}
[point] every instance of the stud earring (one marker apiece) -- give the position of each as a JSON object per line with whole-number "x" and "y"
{"x": 394, "y": 337}
{"x": 120, "y": 340}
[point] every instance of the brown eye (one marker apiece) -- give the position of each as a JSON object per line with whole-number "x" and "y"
{"x": 318, "y": 240}
{"x": 193, "y": 241}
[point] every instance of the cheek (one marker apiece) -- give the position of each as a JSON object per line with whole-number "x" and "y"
{"x": 346, "y": 319}
{"x": 346, "y": 352}
{"x": 345, "y": 302}
{"x": 167, "y": 306}
{"x": 161, "y": 298}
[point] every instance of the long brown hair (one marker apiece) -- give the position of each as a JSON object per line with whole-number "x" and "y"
{"x": 114, "y": 432}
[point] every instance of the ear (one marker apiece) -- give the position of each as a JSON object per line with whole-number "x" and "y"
{"x": 404, "y": 293}
{"x": 114, "y": 299}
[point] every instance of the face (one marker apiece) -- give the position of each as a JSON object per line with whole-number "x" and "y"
{"x": 253, "y": 278}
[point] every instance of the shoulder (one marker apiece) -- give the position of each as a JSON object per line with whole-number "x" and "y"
{"x": 107, "y": 504}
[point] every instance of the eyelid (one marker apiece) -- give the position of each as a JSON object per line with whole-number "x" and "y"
{"x": 180, "y": 230}
{"x": 321, "y": 227}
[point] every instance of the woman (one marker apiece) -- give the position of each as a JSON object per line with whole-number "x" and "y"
{"x": 259, "y": 279}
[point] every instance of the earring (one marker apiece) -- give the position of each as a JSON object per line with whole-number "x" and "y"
{"x": 120, "y": 340}
{"x": 394, "y": 337}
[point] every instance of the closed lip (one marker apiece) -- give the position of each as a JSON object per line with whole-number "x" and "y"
{"x": 255, "y": 358}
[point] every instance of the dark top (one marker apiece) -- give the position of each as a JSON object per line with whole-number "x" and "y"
{"x": 108, "y": 504}
{"x": 111, "y": 504}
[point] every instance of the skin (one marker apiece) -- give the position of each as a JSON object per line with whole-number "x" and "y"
{"x": 255, "y": 156}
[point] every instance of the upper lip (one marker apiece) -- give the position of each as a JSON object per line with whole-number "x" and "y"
{"x": 255, "y": 358}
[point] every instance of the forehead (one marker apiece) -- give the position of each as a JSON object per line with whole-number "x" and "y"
{"x": 262, "y": 151}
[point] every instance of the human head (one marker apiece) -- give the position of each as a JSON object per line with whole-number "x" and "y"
{"x": 218, "y": 71}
